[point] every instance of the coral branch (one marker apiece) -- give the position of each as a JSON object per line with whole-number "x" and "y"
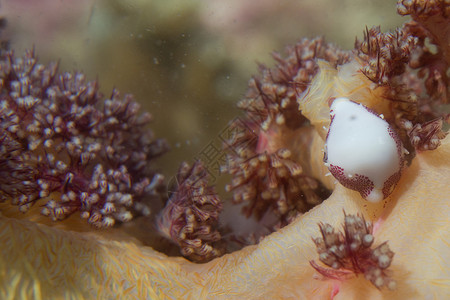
{"x": 190, "y": 217}
{"x": 433, "y": 16}
{"x": 264, "y": 152}
{"x": 398, "y": 62}
{"x": 350, "y": 252}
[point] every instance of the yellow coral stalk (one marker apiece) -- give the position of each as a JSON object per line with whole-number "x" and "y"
{"x": 41, "y": 262}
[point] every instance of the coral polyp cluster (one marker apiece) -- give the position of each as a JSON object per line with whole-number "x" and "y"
{"x": 63, "y": 142}
{"x": 386, "y": 54}
{"x": 14, "y": 171}
{"x": 411, "y": 66}
{"x": 430, "y": 19}
{"x": 350, "y": 252}
{"x": 397, "y": 63}
{"x": 272, "y": 96}
{"x": 269, "y": 168}
{"x": 191, "y": 214}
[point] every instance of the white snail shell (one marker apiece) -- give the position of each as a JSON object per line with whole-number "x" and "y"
{"x": 362, "y": 151}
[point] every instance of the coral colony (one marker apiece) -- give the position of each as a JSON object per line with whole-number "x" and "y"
{"x": 65, "y": 146}
{"x": 61, "y": 141}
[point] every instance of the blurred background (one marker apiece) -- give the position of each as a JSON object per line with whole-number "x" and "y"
{"x": 186, "y": 62}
